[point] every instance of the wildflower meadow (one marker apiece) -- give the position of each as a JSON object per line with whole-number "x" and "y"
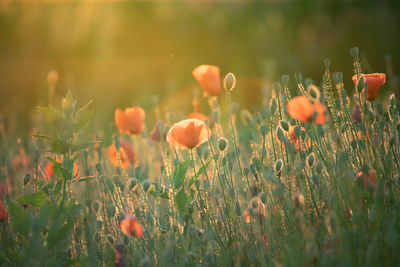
{"x": 310, "y": 178}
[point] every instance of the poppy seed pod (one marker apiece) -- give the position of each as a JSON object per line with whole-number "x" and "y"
{"x": 273, "y": 106}
{"x": 285, "y": 80}
{"x": 229, "y": 82}
{"x": 278, "y": 165}
{"x": 279, "y": 133}
{"x": 354, "y": 52}
{"x": 327, "y": 63}
{"x": 133, "y": 182}
{"x": 298, "y": 76}
{"x": 222, "y": 144}
{"x": 146, "y": 185}
{"x": 52, "y": 77}
{"x": 263, "y": 130}
{"x": 310, "y": 160}
{"x": 96, "y": 206}
{"x": 284, "y": 125}
{"x": 27, "y": 178}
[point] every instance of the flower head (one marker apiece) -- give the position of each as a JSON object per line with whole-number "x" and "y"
{"x": 126, "y": 154}
{"x": 200, "y": 116}
{"x": 188, "y": 134}
{"x": 209, "y": 79}
{"x": 48, "y": 171}
{"x": 3, "y": 211}
{"x": 155, "y": 134}
{"x": 130, "y": 225}
{"x": 374, "y": 81}
{"x": 300, "y": 108}
{"x": 130, "y": 120}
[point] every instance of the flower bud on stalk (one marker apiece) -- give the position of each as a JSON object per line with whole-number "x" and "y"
{"x": 229, "y": 82}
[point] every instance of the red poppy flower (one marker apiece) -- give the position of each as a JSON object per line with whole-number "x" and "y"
{"x": 130, "y": 120}
{"x": 49, "y": 171}
{"x": 199, "y": 116}
{"x": 3, "y": 211}
{"x": 368, "y": 179}
{"x": 188, "y": 134}
{"x": 374, "y": 81}
{"x": 130, "y": 225}
{"x": 209, "y": 79}
{"x": 300, "y": 108}
{"x": 126, "y": 154}
{"x": 155, "y": 135}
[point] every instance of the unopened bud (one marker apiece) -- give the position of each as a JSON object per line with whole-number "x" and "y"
{"x": 146, "y": 185}
{"x": 222, "y": 144}
{"x": 285, "y": 125}
{"x": 229, "y": 82}
{"x": 354, "y": 52}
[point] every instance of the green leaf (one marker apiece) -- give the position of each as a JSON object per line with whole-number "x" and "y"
{"x": 81, "y": 146}
{"x": 179, "y": 174}
{"x": 181, "y": 201}
{"x": 36, "y": 200}
{"x": 60, "y": 146}
{"x": 49, "y": 112}
{"x": 58, "y": 233}
{"x": 19, "y": 218}
{"x": 83, "y": 110}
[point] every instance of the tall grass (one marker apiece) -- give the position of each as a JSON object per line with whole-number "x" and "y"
{"x": 265, "y": 189}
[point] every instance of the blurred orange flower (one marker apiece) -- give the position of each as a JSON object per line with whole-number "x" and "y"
{"x": 368, "y": 179}
{"x": 374, "y": 81}
{"x": 188, "y": 134}
{"x": 3, "y": 211}
{"x": 130, "y": 225}
{"x": 130, "y": 120}
{"x": 300, "y": 108}
{"x": 246, "y": 215}
{"x": 209, "y": 79}
{"x": 126, "y": 154}
{"x": 199, "y": 116}
{"x": 155, "y": 135}
{"x": 49, "y": 171}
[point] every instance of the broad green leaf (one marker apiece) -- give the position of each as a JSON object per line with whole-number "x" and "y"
{"x": 19, "y": 218}
{"x": 36, "y": 200}
{"x": 59, "y": 146}
{"x": 179, "y": 174}
{"x": 181, "y": 201}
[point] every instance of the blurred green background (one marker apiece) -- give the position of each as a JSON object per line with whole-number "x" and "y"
{"x": 123, "y": 53}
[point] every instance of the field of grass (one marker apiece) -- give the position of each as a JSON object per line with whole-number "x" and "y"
{"x": 312, "y": 178}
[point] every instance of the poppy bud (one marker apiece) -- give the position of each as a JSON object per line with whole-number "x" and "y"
{"x": 327, "y": 63}
{"x": 310, "y": 160}
{"x": 354, "y": 52}
{"x": 258, "y": 118}
{"x": 229, "y": 81}
{"x": 52, "y": 77}
{"x": 96, "y": 206}
{"x": 276, "y": 87}
{"x": 285, "y": 80}
{"x": 254, "y": 191}
{"x": 298, "y": 76}
{"x": 360, "y": 84}
{"x": 133, "y": 182}
{"x": 110, "y": 239}
{"x": 263, "y": 197}
{"x": 297, "y": 131}
{"x": 263, "y": 130}
{"x": 273, "y": 105}
{"x": 110, "y": 211}
{"x": 278, "y": 166}
{"x": 285, "y": 125}
{"x": 319, "y": 167}
{"x": 392, "y": 100}
{"x": 222, "y": 144}
{"x": 27, "y": 178}
{"x": 146, "y": 185}
{"x": 279, "y": 133}
{"x": 238, "y": 210}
